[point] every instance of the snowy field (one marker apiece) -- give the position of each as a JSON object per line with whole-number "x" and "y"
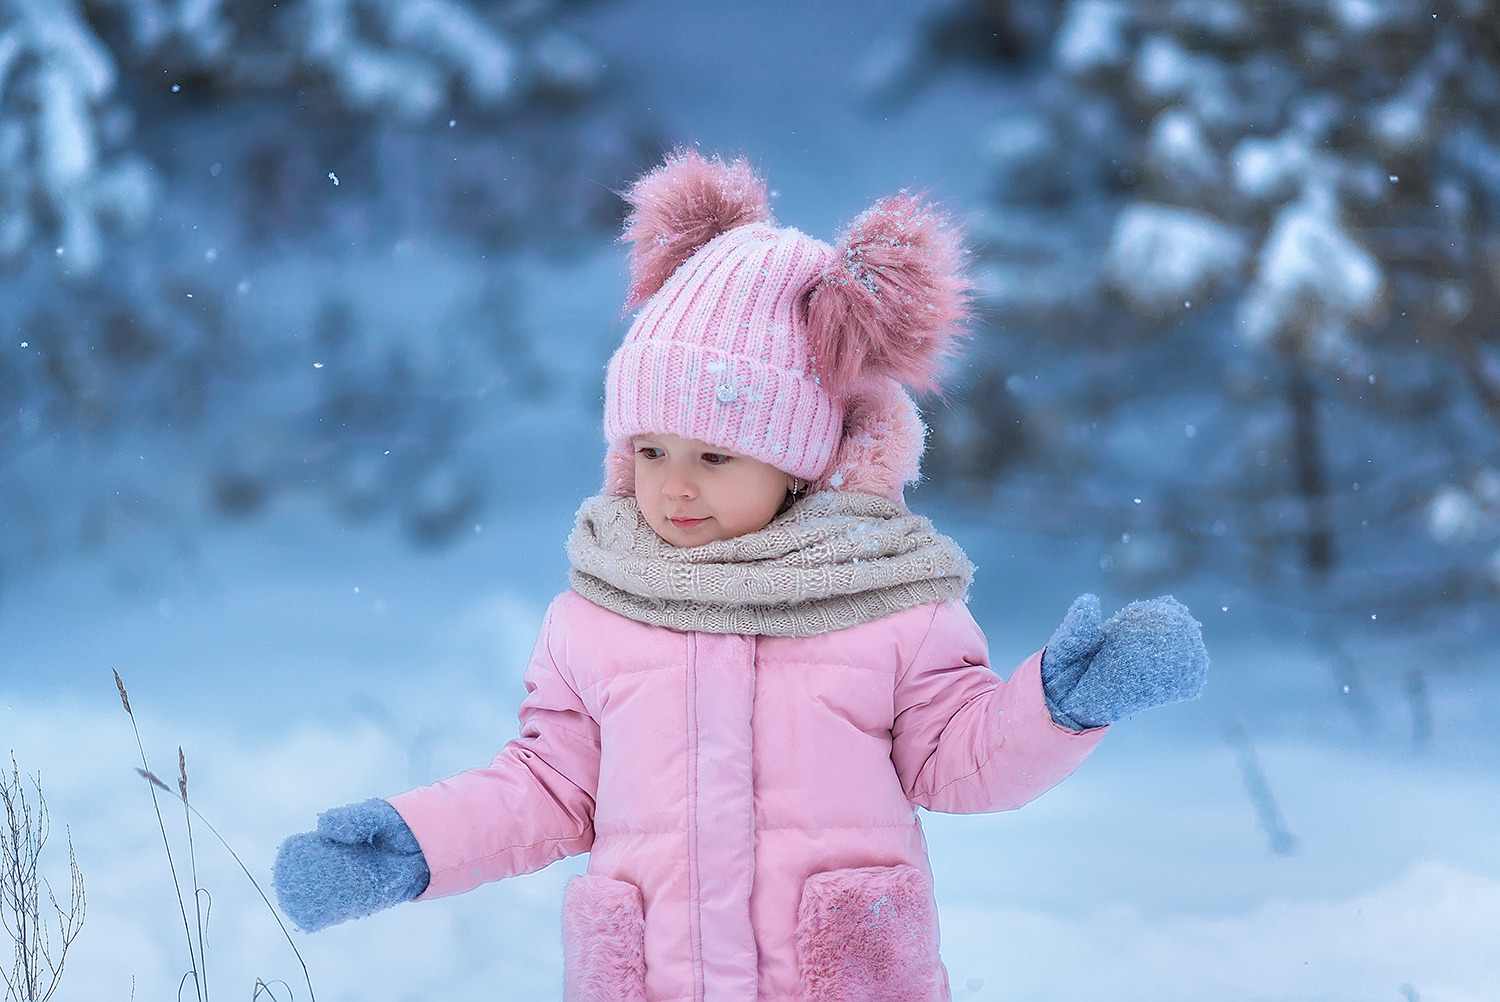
{"x": 301, "y": 663}
{"x": 323, "y": 667}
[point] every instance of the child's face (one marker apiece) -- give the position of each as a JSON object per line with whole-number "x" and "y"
{"x": 694, "y": 493}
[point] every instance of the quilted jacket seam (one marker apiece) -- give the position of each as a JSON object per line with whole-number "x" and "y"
{"x": 509, "y": 849}
{"x": 994, "y": 750}
{"x": 774, "y": 663}
{"x": 624, "y": 832}
{"x": 834, "y": 828}
{"x": 917, "y": 655}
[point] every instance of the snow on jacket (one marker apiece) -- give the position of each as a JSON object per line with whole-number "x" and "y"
{"x": 748, "y": 802}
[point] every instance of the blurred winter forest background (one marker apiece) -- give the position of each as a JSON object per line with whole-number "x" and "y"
{"x": 304, "y": 309}
{"x": 1237, "y": 261}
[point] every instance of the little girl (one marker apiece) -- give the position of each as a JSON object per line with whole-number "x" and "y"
{"x": 765, "y": 663}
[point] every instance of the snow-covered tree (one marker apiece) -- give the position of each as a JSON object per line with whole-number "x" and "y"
{"x": 65, "y": 126}
{"x": 1242, "y": 266}
{"x": 60, "y": 184}
{"x": 170, "y": 167}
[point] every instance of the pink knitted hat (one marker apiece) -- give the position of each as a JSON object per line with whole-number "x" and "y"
{"x": 767, "y": 342}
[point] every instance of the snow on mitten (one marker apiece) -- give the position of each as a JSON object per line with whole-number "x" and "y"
{"x": 1149, "y": 653}
{"x": 360, "y": 859}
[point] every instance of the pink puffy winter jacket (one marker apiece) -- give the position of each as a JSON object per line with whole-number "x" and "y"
{"x": 748, "y": 801}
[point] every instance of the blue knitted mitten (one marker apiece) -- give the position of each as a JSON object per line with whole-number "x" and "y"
{"x": 361, "y": 858}
{"x": 1149, "y": 653}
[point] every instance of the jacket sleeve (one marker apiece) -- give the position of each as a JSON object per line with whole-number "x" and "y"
{"x": 532, "y": 805}
{"x": 964, "y": 741}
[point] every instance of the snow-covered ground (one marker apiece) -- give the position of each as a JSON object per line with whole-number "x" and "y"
{"x": 324, "y": 667}
{"x": 301, "y": 663}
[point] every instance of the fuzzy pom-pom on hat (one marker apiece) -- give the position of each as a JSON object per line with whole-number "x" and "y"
{"x": 893, "y": 301}
{"x": 679, "y": 207}
{"x": 767, "y": 342}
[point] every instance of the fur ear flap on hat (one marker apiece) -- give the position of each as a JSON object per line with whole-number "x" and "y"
{"x": 893, "y": 300}
{"x": 619, "y": 472}
{"x": 679, "y": 207}
{"x": 880, "y": 451}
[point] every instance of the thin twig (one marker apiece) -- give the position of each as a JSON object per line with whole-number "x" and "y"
{"x": 69, "y": 921}
{"x": 22, "y": 838}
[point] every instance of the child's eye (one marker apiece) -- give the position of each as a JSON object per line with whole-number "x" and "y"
{"x": 648, "y": 452}
{"x": 716, "y": 458}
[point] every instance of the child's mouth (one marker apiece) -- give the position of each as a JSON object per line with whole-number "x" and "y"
{"x": 686, "y": 523}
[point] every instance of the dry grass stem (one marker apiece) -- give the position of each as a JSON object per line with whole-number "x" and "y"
{"x": 197, "y": 939}
{"x": 145, "y": 770}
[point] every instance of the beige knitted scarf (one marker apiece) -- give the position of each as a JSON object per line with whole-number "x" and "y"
{"x": 831, "y": 560}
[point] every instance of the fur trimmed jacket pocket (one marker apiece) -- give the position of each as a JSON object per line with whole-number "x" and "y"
{"x": 868, "y": 935}
{"x": 604, "y": 941}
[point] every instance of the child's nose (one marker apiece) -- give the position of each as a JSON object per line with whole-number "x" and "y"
{"x": 678, "y": 484}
